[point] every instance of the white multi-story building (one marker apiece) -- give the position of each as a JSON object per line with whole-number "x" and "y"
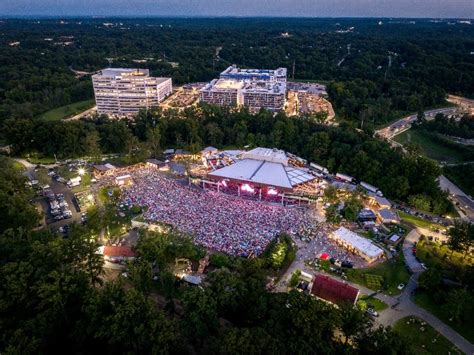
{"x": 123, "y": 92}
{"x": 252, "y": 88}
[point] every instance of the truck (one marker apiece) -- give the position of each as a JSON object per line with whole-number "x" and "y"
{"x": 76, "y": 181}
{"x": 345, "y": 178}
{"x": 370, "y": 188}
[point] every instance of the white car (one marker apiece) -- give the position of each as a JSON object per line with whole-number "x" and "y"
{"x": 424, "y": 266}
{"x": 401, "y": 286}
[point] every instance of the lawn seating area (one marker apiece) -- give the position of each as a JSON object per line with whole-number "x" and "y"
{"x": 423, "y": 338}
{"x": 387, "y": 275}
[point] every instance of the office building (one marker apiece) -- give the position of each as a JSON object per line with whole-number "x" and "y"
{"x": 252, "y": 88}
{"x": 123, "y": 92}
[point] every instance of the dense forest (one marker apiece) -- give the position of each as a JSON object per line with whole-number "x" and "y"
{"x": 376, "y": 72}
{"x": 56, "y": 298}
{"x": 340, "y": 149}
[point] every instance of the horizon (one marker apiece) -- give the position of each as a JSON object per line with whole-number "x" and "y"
{"x": 438, "y": 9}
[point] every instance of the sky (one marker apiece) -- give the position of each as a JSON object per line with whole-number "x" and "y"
{"x": 282, "y": 8}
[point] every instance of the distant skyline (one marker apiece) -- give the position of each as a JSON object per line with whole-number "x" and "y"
{"x": 243, "y": 8}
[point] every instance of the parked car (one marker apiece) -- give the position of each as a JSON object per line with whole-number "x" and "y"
{"x": 401, "y": 286}
{"x": 372, "y": 312}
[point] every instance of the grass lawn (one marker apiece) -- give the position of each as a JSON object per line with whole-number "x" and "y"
{"x": 466, "y": 329}
{"x": 429, "y": 147}
{"x": 391, "y": 273}
{"x": 423, "y": 338}
{"x": 432, "y": 254}
{"x": 419, "y": 222}
{"x": 67, "y": 111}
{"x": 18, "y": 166}
{"x": 376, "y": 303}
{"x": 40, "y": 160}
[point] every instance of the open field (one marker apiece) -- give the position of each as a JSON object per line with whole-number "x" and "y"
{"x": 429, "y": 147}
{"x": 423, "y": 338}
{"x": 418, "y": 222}
{"x": 67, "y": 111}
{"x": 466, "y": 329}
{"x": 388, "y": 275}
{"x": 432, "y": 254}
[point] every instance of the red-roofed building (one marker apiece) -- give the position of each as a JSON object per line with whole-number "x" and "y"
{"x": 117, "y": 252}
{"x": 334, "y": 291}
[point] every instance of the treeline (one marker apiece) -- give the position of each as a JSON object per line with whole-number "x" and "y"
{"x": 340, "y": 149}
{"x": 388, "y": 69}
{"x": 463, "y": 128}
{"x": 53, "y": 299}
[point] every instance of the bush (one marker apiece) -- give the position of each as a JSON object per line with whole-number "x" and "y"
{"x": 295, "y": 278}
{"x": 220, "y": 260}
{"x": 136, "y": 209}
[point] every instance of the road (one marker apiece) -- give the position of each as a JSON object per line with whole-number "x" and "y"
{"x": 404, "y": 123}
{"x": 459, "y": 197}
{"x": 82, "y": 114}
{"x": 466, "y": 104}
{"x": 399, "y": 306}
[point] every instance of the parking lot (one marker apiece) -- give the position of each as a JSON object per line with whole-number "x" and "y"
{"x": 60, "y": 206}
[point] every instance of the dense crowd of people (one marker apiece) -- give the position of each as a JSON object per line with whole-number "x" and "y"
{"x": 216, "y": 221}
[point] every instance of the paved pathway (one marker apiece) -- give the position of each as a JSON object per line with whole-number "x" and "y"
{"x": 399, "y": 306}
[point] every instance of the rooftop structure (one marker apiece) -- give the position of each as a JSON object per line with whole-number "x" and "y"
{"x": 252, "y": 88}
{"x": 124, "y": 91}
{"x": 362, "y": 246}
{"x": 264, "y": 167}
{"x": 334, "y": 291}
{"x": 235, "y": 73}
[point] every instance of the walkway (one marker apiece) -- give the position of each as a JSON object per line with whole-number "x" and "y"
{"x": 399, "y": 306}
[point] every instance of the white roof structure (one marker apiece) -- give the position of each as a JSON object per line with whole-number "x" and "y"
{"x": 267, "y": 154}
{"x": 364, "y": 246}
{"x": 263, "y": 166}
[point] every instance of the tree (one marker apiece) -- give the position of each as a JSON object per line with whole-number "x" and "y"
{"x": 141, "y": 274}
{"x": 381, "y": 341}
{"x": 461, "y": 237}
{"x": 126, "y": 321}
{"x": 201, "y": 318}
{"x": 352, "y": 321}
{"x": 153, "y": 136}
{"x": 421, "y": 202}
{"x": 332, "y": 215}
{"x": 458, "y": 304}
{"x": 430, "y": 280}
{"x": 92, "y": 145}
{"x": 330, "y": 194}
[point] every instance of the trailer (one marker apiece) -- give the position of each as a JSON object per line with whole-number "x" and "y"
{"x": 369, "y": 187}
{"x": 319, "y": 168}
{"x": 345, "y": 178}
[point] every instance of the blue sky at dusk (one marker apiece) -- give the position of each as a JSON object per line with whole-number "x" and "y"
{"x": 316, "y": 8}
